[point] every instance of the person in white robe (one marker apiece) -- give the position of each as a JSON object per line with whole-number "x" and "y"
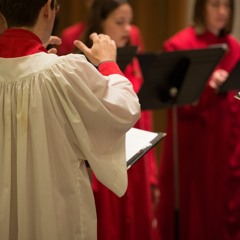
{"x": 56, "y": 113}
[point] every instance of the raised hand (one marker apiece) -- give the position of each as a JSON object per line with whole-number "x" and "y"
{"x": 103, "y": 49}
{"x": 218, "y": 78}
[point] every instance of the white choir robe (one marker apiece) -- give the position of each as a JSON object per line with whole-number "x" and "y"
{"x": 56, "y": 112}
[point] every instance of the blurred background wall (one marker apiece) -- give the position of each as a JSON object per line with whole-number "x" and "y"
{"x": 157, "y": 19}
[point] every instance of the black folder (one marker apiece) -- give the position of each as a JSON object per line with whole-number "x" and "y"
{"x": 233, "y": 80}
{"x": 176, "y": 78}
{"x": 139, "y": 142}
{"x": 125, "y": 56}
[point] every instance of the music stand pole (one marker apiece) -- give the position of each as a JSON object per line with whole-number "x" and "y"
{"x": 176, "y": 170}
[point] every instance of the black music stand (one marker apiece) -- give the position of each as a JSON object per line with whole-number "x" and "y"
{"x": 173, "y": 79}
{"x": 233, "y": 80}
{"x": 176, "y": 78}
{"x": 125, "y": 56}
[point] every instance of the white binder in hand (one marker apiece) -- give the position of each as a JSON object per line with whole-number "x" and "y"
{"x": 139, "y": 142}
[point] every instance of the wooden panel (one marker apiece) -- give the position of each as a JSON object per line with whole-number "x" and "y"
{"x": 157, "y": 19}
{"x": 71, "y": 11}
{"x": 150, "y": 16}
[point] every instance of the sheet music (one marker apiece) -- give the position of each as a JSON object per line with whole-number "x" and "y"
{"x": 137, "y": 140}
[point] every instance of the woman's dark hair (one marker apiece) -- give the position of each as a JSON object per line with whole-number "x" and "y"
{"x": 99, "y": 11}
{"x": 22, "y": 12}
{"x": 199, "y": 17}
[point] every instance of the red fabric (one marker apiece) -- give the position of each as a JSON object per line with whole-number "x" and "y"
{"x": 28, "y": 43}
{"x": 68, "y": 36}
{"x": 107, "y": 68}
{"x": 129, "y": 217}
{"x": 22, "y": 43}
{"x": 208, "y": 152}
{"x": 136, "y": 38}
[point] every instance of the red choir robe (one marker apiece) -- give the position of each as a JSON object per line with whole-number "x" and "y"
{"x": 74, "y": 32}
{"x": 209, "y": 156}
{"x": 131, "y": 216}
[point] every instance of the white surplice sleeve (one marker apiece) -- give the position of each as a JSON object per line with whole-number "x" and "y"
{"x": 100, "y": 110}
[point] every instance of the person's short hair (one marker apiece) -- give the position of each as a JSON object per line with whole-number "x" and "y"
{"x": 22, "y": 12}
{"x": 199, "y": 17}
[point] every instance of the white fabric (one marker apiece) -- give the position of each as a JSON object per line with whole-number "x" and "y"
{"x": 54, "y": 113}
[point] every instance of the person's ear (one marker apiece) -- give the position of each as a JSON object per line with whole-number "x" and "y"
{"x": 3, "y": 24}
{"x": 47, "y": 9}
